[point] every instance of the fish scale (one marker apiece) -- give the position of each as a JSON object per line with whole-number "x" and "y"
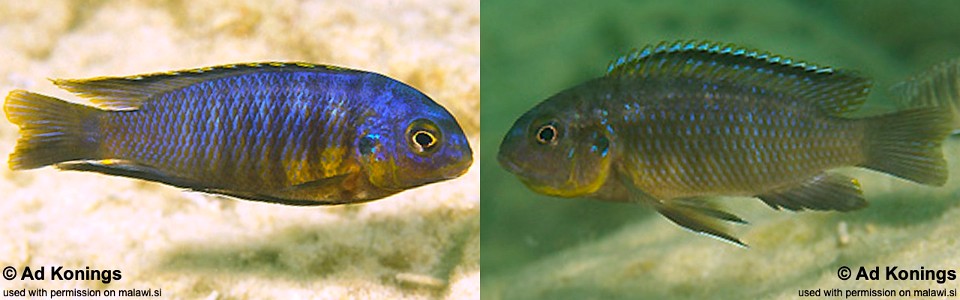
{"x": 290, "y": 133}
{"x": 673, "y": 124}
{"x": 764, "y": 143}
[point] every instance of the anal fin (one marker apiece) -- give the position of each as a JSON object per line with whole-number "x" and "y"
{"x": 125, "y": 168}
{"x": 140, "y": 171}
{"x": 826, "y": 191}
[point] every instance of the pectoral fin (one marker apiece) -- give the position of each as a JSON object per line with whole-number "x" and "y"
{"x": 826, "y": 191}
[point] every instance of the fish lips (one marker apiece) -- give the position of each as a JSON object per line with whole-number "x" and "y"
{"x": 520, "y": 170}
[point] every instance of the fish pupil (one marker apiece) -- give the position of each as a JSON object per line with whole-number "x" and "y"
{"x": 547, "y": 134}
{"x": 424, "y": 140}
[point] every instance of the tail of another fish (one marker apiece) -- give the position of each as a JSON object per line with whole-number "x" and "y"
{"x": 52, "y": 130}
{"x": 937, "y": 87}
{"x": 907, "y": 144}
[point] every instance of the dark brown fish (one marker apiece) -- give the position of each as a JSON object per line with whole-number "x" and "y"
{"x": 673, "y": 124}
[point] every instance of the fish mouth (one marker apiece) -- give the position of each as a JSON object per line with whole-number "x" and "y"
{"x": 448, "y": 172}
{"x": 460, "y": 168}
{"x": 456, "y": 166}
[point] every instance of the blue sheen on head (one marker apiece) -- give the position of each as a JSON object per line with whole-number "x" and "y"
{"x": 419, "y": 140}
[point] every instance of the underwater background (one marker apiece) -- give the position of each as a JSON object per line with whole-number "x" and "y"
{"x": 541, "y": 247}
{"x": 419, "y": 244}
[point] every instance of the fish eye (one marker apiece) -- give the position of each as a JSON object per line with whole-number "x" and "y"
{"x": 424, "y": 136}
{"x": 547, "y": 134}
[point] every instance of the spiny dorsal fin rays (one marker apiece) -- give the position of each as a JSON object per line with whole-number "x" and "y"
{"x": 630, "y": 61}
{"x": 129, "y": 92}
{"x": 834, "y": 91}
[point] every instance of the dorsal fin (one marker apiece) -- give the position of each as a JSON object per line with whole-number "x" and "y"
{"x": 129, "y": 92}
{"x": 834, "y": 91}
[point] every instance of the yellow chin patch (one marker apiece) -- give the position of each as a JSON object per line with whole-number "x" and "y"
{"x": 570, "y": 188}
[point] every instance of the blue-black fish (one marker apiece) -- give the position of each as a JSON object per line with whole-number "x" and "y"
{"x": 290, "y": 133}
{"x": 673, "y": 124}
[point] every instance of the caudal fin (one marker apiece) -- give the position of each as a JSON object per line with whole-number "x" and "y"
{"x": 51, "y": 130}
{"x": 907, "y": 144}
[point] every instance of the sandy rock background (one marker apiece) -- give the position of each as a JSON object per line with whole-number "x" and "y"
{"x": 422, "y": 243}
